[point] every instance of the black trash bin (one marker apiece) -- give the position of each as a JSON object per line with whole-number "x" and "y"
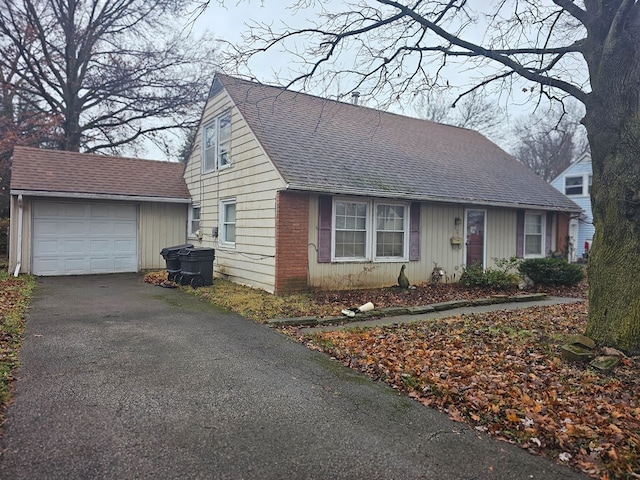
{"x": 170, "y": 255}
{"x": 196, "y": 266}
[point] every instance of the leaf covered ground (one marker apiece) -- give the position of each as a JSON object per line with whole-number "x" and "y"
{"x": 500, "y": 372}
{"x": 15, "y": 294}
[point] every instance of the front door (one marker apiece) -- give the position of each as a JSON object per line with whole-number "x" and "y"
{"x": 475, "y": 228}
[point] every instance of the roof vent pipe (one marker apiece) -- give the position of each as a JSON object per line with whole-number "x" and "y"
{"x": 354, "y": 97}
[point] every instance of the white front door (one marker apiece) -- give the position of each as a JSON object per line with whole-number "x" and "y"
{"x": 573, "y": 240}
{"x": 79, "y": 237}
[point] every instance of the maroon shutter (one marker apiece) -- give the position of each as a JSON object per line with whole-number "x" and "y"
{"x": 324, "y": 228}
{"x": 520, "y": 234}
{"x": 414, "y": 231}
{"x": 548, "y": 234}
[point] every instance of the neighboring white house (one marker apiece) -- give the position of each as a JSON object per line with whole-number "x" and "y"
{"x": 575, "y": 183}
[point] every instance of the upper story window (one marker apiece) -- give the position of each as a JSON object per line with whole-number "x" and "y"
{"x": 533, "y": 235}
{"x": 357, "y": 236}
{"x": 590, "y": 182}
{"x": 216, "y": 143}
{"x": 573, "y": 185}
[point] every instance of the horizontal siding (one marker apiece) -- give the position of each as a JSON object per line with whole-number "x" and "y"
{"x": 253, "y": 182}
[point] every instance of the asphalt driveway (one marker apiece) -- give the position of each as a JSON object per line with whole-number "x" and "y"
{"x": 125, "y": 380}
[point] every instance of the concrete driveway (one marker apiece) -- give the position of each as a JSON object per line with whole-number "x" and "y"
{"x": 125, "y": 380}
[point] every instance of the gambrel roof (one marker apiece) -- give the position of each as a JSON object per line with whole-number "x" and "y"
{"x": 328, "y": 146}
{"x": 38, "y": 171}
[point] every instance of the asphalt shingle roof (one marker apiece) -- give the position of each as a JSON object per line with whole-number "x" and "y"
{"x": 40, "y": 170}
{"x": 328, "y": 146}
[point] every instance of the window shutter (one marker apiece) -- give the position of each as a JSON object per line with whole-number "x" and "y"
{"x": 548, "y": 233}
{"x": 520, "y": 234}
{"x": 324, "y": 228}
{"x": 414, "y": 231}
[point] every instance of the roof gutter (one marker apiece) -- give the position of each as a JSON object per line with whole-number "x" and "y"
{"x": 99, "y": 196}
{"x": 432, "y": 198}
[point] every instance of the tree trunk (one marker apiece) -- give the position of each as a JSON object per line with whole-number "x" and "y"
{"x": 613, "y": 127}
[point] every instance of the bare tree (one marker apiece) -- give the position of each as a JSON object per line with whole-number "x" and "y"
{"x": 116, "y": 73}
{"x": 548, "y": 142}
{"x": 474, "y": 111}
{"x": 585, "y": 49}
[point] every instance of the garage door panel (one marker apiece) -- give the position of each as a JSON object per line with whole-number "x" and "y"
{"x": 83, "y": 238}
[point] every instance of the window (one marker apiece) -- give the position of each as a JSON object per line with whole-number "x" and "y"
{"x": 216, "y": 143}
{"x": 533, "y": 235}
{"x": 390, "y": 231}
{"x": 228, "y": 222}
{"x": 194, "y": 219}
{"x": 356, "y": 235}
{"x": 590, "y": 182}
{"x": 351, "y": 219}
{"x": 573, "y": 185}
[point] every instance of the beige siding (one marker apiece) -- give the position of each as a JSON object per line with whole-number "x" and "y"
{"x": 160, "y": 225}
{"x": 501, "y": 235}
{"x": 253, "y": 182}
{"x": 437, "y": 226}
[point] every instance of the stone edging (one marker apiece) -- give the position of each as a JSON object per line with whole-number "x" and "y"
{"x": 394, "y": 311}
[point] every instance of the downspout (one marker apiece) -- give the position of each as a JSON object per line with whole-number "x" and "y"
{"x": 19, "y": 255}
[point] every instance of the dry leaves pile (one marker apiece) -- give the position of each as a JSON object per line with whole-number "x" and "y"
{"x": 501, "y": 372}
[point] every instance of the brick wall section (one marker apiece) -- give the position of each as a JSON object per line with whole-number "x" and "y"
{"x": 562, "y": 239}
{"x": 292, "y": 238}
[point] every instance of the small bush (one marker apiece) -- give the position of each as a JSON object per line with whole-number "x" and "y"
{"x": 501, "y": 277}
{"x": 551, "y": 271}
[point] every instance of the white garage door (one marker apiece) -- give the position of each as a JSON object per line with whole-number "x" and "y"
{"x": 75, "y": 238}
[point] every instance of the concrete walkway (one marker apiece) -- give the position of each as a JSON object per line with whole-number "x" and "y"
{"x": 125, "y": 380}
{"x": 398, "y": 319}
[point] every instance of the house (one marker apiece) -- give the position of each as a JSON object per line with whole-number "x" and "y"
{"x": 296, "y": 191}
{"x": 575, "y": 183}
{"x": 74, "y": 213}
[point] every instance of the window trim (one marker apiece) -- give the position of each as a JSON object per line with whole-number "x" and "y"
{"x": 371, "y": 231}
{"x": 191, "y": 233}
{"x": 222, "y": 239}
{"x": 543, "y": 224}
{"x": 217, "y": 143}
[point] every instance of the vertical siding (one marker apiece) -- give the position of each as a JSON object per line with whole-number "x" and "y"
{"x": 437, "y": 226}
{"x": 253, "y": 182}
{"x": 501, "y": 234}
{"x": 160, "y": 225}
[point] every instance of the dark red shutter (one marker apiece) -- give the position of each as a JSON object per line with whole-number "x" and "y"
{"x": 548, "y": 234}
{"x": 414, "y": 231}
{"x": 324, "y": 228}
{"x": 520, "y": 234}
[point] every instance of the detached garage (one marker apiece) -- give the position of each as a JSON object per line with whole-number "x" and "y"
{"x": 78, "y": 214}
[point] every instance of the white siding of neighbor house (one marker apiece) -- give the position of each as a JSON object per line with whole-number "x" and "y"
{"x": 253, "y": 181}
{"x": 437, "y": 226}
{"x": 160, "y": 225}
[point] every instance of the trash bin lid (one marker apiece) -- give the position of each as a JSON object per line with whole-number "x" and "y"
{"x": 199, "y": 252}
{"x": 166, "y": 250}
